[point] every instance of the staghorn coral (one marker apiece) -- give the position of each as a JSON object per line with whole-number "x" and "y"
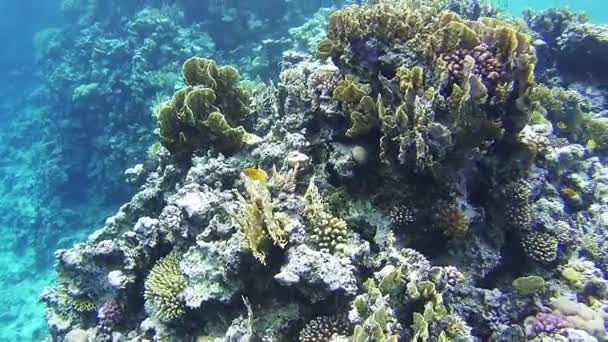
{"x": 207, "y": 112}
{"x": 163, "y": 285}
{"x": 324, "y": 328}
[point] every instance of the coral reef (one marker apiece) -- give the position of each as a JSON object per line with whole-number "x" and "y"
{"x": 571, "y": 43}
{"x": 409, "y": 182}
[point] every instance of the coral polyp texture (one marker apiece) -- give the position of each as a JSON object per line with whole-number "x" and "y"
{"x": 404, "y": 182}
{"x": 162, "y": 288}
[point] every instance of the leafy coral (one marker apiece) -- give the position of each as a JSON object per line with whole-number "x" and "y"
{"x": 441, "y": 108}
{"x": 209, "y": 111}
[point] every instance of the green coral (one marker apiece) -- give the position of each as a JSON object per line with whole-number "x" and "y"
{"x": 162, "y": 287}
{"x": 80, "y": 302}
{"x": 209, "y": 111}
{"x": 259, "y": 221}
{"x": 433, "y": 114}
{"x": 378, "y": 324}
{"x": 327, "y": 231}
{"x": 529, "y": 285}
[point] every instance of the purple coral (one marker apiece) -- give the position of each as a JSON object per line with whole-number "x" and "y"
{"x": 547, "y": 323}
{"x": 109, "y": 314}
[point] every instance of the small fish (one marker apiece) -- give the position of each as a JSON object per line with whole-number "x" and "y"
{"x": 256, "y": 174}
{"x": 591, "y": 145}
{"x": 562, "y": 125}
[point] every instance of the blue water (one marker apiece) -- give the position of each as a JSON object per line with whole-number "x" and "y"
{"x": 596, "y": 10}
{"x": 55, "y": 186}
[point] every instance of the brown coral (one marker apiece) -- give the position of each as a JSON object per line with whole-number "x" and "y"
{"x": 324, "y": 328}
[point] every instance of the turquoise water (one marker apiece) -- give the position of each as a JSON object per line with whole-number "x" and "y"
{"x": 52, "y": 192}
{"x": 596, "y": 10}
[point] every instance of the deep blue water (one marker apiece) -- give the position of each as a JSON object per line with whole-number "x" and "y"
{"x": 51, "y": 190}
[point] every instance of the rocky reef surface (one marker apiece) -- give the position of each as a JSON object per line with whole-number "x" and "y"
{"x": 410, "y": 180}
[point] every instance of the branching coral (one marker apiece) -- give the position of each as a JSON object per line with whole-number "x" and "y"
{"x": 327, "y": 231}
{"x": 257, "y": 218}
{"x": 162, "y": 288}
{"x": 209, "y": 111}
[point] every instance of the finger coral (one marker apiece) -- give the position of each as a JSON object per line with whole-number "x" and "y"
{"x": 540, "y": 246}
{"x": 327, "y": 231}
{"x": 163, "y": 286}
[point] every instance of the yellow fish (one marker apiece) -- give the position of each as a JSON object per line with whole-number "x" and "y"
{"x": 591, "y": 145}
{"x": 562, "y": 125}
{"x": 256, "y": 174}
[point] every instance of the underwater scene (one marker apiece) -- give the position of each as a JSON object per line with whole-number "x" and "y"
{"x": 304, "y": 171}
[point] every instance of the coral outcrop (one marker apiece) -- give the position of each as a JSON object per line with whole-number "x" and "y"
{"x": 407, "y": 185}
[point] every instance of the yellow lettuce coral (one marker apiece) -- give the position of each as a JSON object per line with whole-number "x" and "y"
{"x": 209, "y": 111}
